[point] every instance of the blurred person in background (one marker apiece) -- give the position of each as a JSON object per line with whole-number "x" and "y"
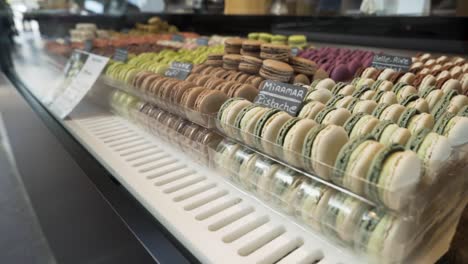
{"x": 7, "y": 31}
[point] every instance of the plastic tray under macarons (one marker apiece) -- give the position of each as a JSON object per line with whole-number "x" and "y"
{"x": 202, "y": 119}
{"x": 412, "y": 196}
{"x": 333, "y": 213}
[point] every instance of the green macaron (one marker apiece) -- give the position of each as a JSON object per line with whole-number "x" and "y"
{"x": 416, "y": 139}
{"x": 344, "y": 155}
{"x": 261, "y": 123}
{"x": 442, "y": 122}
{"x": 333, "y": 100}
{"x": 409, "y": 99}
{"x": 440, "y": 108}
{"x": 463, "y": 111}
{"x": 349, "y": 125}
{"x": 379, "y": 129}
{"x": 322, "y": 114}
{"x": 379, "y": 109}
{"x": 309, "y": 143}
{"x": 376, "y": 84}
{"x": 358, "y": 93}
{"x": 426, "y": 91}
{"x": 337, "y": 88}
{"x": 406, "y": 116}
{"x": 373, "y": 177}
{"x": 285, "y": 129}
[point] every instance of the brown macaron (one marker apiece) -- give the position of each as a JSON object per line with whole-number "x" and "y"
{"x": 250, "y": 64}
{"x": 251, "y": 48}
{"x": 233, "y": 45}
{"x": 275, "y": 52}
{"x": 190, "y": 96}
{"x": 302, "y": 79}
{"x": 202, "y": 80}
{"x": 302, "y": 65}
{"x": 209, "y": 101}
{"x": 276, "y": 70}
{"x": 245, "y": 91}
{"x": 231, "y": 61}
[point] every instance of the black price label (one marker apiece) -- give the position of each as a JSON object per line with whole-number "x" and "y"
{"x": 178, "y": 37}
{"x": 283, "y": 96}
{"x": 120, "y": 55}
{"x": 88, "y": 45}
{"x": 179, "y": 70}
{"x": 398, "y": 63}
{"x": 202, "y": 41}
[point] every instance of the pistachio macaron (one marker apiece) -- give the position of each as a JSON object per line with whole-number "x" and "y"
{"x": 333, "y": 115}
{"x": 360, "y": 124}
{"x": 294, "y": 142}
{"x": 270, "y": 131}
{"x": 311, "y": 109}
{"x": 388, "y": 133}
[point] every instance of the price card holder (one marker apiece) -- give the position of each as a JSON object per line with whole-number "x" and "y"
{"x": 283, "y": 96}
{"x": 398, "y": 63}
{"x": 78, "y": 84}
{"x": 88, "y": 45}
{"x": 178, "y": 37}
{"x": 203, "y": 41}
{"x": 120, "y": 55}
{"x": 179, "y": 70}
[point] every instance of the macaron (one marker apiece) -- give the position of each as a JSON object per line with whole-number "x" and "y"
{"x": 246, "y": 121}
{"x": 354, "y": 162}
{"x": 231, "y": 61}
{"x": 389, "y": 112}
{"x": 370, "y": 72}
{"x": 441, "y": 106}
{"x": 333, "y": 115}
{"x": 347, "y": 102}
{"x": 228, "y": 112}
{"x": 209, "y": 101}
{"x": 463, "y": 111}
{"x": 386, "y": 74}
{"x": 432, "y": 97}
{"x": 393, "y": 176}
{"x": 388, "y": 133}
{"x": 420, "y": 121}
{"x": 456, "y": 103}
{"x": 250, "y": 64}
{"x": 311, "y": 109}
{"x": 304, "y": 66}
{"x": 270, "y": 131}
{"x": 321, "y": 146}
{"x": 310, "y": 201}
{"x": 276, "y": 52}
{"x": 320, "y": 95}
{"x": 190, "y": 96}
{"x": 276, "y": 70}
{"x": 324, "y": 84}
{"x": 245, "y": 91}
{"x": 406, "y": 116}
{"x": 386, "y": 97}
{"x": 434, "y": 150}
{"x": 251, "y": 48}
{"x": 294, "y": 141}
{"x": 365, "y": 106}
{"x": 454, "y": 128}
{"x": 360, "y": 124}
{"x": 233, "y": 45}
{"x": 301, "y": 79}
{"x": 451, "y": 84}
{"x": 414, "y": 101}
{"x": 403, "y": 90}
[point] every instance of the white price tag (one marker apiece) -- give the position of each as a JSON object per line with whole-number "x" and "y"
{"x": 79, "y": 85}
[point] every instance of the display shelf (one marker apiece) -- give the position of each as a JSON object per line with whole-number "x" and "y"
{"x": 193, "y": 201}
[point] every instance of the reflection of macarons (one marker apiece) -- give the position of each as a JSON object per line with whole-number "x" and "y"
{"x": 262, "y": 177}
{"x": 237, "y": 159}
{"x": 393, "y": 175}
{"x": 310, "y": 201}
{"x": 434, "y": 150}
{"x": 294, "y": 141}
{"x": 340, "y": 219}
{"x": 388, "y": 133}
{"x": 365, "y": 106}
{"x": 282, "y": 187}
{"x": 223, "y": 157}
{"x": 321, "y": 147}
{"x": 271, "y": 129}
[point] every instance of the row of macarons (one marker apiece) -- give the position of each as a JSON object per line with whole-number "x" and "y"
{"x": 187, "y": 136}
{"x": 334, "y": 214}
{"x": 460, "y": 83}
{"x": 299, "y": 41}
{"x": 341, "y": 64}
{"x": 257, "y": 49}
{"x": 297, "y": 70}
{"x": 317, "y": 145}
{"x": 367, "y": 93}
{"x": 428, "y": 64}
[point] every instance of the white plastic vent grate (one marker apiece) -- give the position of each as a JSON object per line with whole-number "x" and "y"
{"x": 216, "y": 221}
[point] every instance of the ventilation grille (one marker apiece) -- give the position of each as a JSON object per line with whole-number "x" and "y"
{"x": 216, "y": 221}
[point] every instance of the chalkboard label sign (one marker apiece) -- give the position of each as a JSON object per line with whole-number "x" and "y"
{"x": 178, "y": 37}
{"x": 120, "y": 54}
{"x": 202, "y": 41}
{"x": 283, "y": 96}
{"x": 398, "y": 63}
{"x": 179, "y": 70}
{"x": 88, "y": 45}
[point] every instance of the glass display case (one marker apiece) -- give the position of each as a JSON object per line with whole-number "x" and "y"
{"x": 260, "y": 131}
